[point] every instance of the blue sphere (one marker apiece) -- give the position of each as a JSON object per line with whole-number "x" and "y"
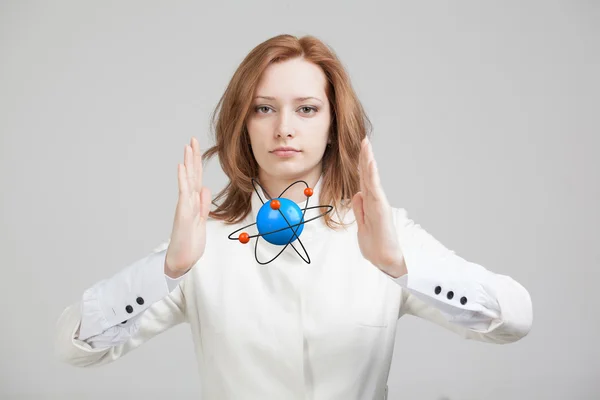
{"x": 269, "y": 220}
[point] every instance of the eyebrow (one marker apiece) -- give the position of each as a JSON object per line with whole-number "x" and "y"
{"x": 296, "y": 99}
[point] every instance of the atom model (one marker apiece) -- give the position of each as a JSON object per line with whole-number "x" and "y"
{"x": 279, "y": 221}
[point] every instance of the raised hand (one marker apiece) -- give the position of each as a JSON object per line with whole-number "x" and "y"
{"x": 188, "y": 237}
{"x": 377, "y": 237}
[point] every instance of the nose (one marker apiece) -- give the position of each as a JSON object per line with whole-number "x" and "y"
{"x": 284, "y": 126}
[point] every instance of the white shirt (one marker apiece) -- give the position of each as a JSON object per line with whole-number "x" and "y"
{"x": 288, "y": 329}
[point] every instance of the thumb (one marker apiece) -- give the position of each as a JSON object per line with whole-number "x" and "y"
{"x": 357, "y": 206}
{"x": 205, "y": 202}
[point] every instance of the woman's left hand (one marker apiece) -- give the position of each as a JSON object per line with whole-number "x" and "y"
{"x": 377, "y": 236}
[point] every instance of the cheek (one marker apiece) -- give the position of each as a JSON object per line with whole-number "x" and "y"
{"x": 256, "y": 133}
{"x": 320, "y": 132}
{"x": 258, "y": 129}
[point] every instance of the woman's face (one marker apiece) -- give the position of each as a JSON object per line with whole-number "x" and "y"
{"x": 289, "y": 120}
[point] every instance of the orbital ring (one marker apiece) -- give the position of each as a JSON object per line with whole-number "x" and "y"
{"x": 283, "y": 229}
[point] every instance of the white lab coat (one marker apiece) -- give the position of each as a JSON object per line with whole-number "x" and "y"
{"x": 291, "y": 330}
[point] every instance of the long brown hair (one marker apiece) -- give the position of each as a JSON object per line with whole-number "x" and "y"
{"x": 349, "y": 125}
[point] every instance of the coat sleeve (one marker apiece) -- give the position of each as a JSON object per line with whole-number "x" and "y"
{"x": 457, "y": 294}
{"x": 89, "y": 332}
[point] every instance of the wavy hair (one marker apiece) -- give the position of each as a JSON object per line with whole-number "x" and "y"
{"x": 349, "y": 125}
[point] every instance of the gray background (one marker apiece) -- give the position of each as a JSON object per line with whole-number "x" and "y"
{"x": 486, "y": 125}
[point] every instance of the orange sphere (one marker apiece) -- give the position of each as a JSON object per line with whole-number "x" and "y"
{"x": 275, "y": 204}
{"x": 244, "y": 238}
{"x": 308, "y": 192}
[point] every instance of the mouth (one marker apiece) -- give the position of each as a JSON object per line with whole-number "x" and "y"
{"x": 285, "y": 151}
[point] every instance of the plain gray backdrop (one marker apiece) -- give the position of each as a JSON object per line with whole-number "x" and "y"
{"x": 486, "y": 123}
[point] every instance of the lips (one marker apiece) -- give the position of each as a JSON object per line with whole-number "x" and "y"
{"x": 285, "y": 151}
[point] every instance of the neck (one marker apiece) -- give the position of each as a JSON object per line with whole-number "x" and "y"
{"x": 274, "y": 185}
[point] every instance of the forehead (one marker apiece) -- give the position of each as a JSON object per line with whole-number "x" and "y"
{"x": 292, "y": 78}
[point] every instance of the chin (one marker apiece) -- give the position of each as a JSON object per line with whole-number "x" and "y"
{"x": 287, "y": 172}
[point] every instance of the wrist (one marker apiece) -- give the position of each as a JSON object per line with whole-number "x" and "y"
{"x": 397, "y": 268}
{"x": 174, "y": 274}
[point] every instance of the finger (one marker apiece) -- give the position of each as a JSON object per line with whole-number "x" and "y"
{"x": 368, "y": 158}
{"x": 375, "y": 179}
{"x": 195, "y": 197}
{"x": 374, "y": 182}
{"x": 197, "y": 163}
{"x": 362, "y": 166}
{"x": 189, "y": 167}
{"x": 357, "y": 206}
{"x": 182, "y": 181}
{"x": 369, "y": 181}
{"x": 205, "y": 201}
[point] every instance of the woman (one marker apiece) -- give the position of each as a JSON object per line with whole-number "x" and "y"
{"x": 290, "y": 329}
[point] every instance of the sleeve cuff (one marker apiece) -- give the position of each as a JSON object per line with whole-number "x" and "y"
{"x": 464, "y": 291}
{"x": 451, "y": 288}
{"x": 128, "y": 293}
{"x": 172, "y": 283}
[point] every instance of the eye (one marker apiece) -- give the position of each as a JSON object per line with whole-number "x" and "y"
{"x": 308, "y": 110}
{"x": 262, "y": 109}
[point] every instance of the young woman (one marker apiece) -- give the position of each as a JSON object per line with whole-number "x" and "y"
{"x": 288, "y": 329}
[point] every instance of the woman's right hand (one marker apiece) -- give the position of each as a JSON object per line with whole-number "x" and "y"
{"x": 188, "y": 237}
